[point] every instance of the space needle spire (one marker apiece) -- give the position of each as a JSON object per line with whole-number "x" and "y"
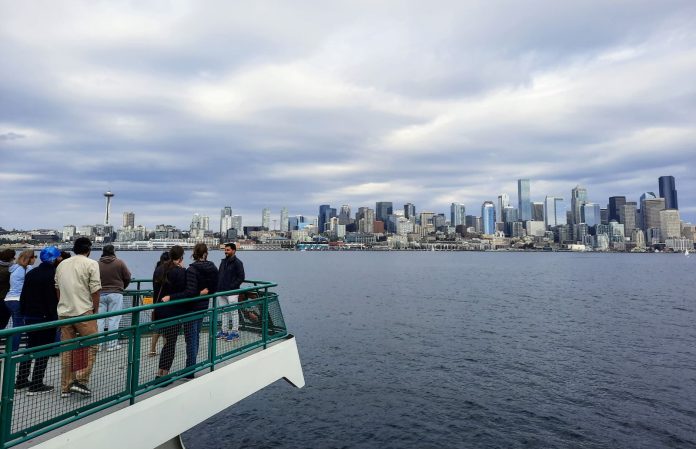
{"x": 108, "y": 195}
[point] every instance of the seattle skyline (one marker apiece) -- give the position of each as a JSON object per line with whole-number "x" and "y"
{"x": 187, "y": 107}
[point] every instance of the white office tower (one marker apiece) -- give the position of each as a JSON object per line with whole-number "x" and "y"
{"x": 266, "y": 218}
{"x": 284, "y": 219}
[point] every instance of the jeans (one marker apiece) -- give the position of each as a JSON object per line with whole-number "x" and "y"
{"x": 110, "y": 302}
{"x": 17, "y": 320}
{"x": 223, "y": 301}
{"x": 192, "y": 335}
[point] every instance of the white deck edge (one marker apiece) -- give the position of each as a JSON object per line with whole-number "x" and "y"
{"x": 158, "y": 419}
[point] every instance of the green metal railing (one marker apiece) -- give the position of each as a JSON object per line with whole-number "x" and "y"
{"x": 122, "y": 375}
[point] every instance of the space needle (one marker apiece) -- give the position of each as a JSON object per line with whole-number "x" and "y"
{"x": 108, "y": 195}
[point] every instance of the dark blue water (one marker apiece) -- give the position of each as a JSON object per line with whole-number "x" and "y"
{"x": 487, "y": 350}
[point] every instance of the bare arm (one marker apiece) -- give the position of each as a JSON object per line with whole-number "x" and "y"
{"x": 95, "y": 301}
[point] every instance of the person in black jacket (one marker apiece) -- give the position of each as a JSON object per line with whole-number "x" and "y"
{"x": 230, "y": 277}
{"x": 201, "y": 279}
{"x": 169, "y": 278}
{"x": 38, "y": 303}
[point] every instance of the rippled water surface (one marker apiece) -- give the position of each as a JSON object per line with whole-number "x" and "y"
{"x": 499, "y": 350}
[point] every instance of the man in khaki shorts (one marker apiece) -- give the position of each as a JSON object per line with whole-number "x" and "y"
{"x": 78, "y": 284}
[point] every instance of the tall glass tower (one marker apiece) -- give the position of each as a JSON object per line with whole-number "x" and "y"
{"x": 488, "y": 217}
{"x": 457, "y": 214}
{"x": 668, "y": 191}
{"x": 524, "y": 205}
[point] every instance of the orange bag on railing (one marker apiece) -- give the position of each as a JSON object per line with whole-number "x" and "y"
{"x": 79, "y": 359}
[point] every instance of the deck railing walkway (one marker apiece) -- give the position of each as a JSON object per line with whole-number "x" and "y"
{"x": 124, "y": 368}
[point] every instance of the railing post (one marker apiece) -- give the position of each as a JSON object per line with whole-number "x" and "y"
{"x": 7, "y": 393}
{"x": 134, "y": 357}
{"x": 264, "y": 321}
{"x": 212, "y": 332}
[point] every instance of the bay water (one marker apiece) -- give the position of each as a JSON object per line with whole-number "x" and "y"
{"x": 472, "y": 349}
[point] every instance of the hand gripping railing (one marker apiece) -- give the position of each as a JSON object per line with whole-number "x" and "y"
{"x": 121, "y": 360}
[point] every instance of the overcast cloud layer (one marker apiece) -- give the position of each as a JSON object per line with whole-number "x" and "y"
{"x": 181, "y": 107}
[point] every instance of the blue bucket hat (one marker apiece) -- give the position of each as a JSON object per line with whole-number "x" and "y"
{"x": 49, "y": 254}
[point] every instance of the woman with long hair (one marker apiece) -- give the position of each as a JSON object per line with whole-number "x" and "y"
{"x": 164, "y": 257}
{"x": 18, "y": 271}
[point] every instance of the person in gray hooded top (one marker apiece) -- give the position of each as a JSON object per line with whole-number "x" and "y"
{"x": 115, "y": 278}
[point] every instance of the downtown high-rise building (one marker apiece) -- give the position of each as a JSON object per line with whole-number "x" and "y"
{"x": 615, "y": 205}
{"x": 627, "y": 216}
{"x": 383, "y": 209}
{"x": 344, "y": 217}
{"x": 554, "y": 212}
{"x": 537, "y": 211}
{"x": 284, "y": 216}
{"x": 668, "y": 191}
{"x": 503, "y": 202}
{"x": 670, "y": 224}
{"x": 578, "y": 197}
{"x": 591, "y": 214}
{"x": 650, "y": 207}
{"x": 457, "y": 214}
{"x": 365, "y": 219}
{"x": 128, "y": 220}
{"x": 225, "y": 219}
{"x": 524, "y": 204}
{"x": 326, "y": 213}
{"x": 409, "y": 211}
{"x": 488, "y": 217}
{"x": 266, "y": 218}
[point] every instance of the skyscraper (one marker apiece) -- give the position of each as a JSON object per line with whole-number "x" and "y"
{"x": 668, "y": 191}
{"x": 650, "y": 208}
{"x": 344, "y": 215}
{"x": 591, "y": 214}
{"x": 627, "y": 216}
{"x": 326, "y": 213}
{"x": 615, "y": 204}
{"x": 578, "y": 197}
{"x": 383, "y": 209}
{"x": 284, "y": 219}
{"x": 409, "y": 210}
{"x": 128, "y": 220}
{"x": 503, "y": 202}
{"x": 537, "y": 211}
{"x": 266, "y": 218}
{"x": 457, "y": 214}
{"x": 225, "y": 222}
{"x": 554, "y": 212}
{"x": 488, "y": 217}
{"x": 670, "y": 224}
{"x": 366, "y": 220}
{"x": 524, "y": 204}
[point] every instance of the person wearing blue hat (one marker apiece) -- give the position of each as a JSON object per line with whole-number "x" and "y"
{"x": 39, "y": 304}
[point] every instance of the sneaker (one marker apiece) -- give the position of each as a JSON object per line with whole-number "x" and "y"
{"x": 65, "y": 394}
{"x": 38, "y": 389}
{"x": 232, "y": 336}
{"x": 113, "y": 348}
{"x": 221, "y": 334}
{"x": 190, "y": 376}
{"x": 81, "y": 388}
{"x": 21, "y": 385}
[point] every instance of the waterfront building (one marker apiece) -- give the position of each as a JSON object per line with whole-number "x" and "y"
{"x": 409, "y": 210}
{"x": 617, "y": 231}
{"x": 69, "y": 233}
{"x": 284, "y": 219}
{"x": 128, "y": 219}
{"x": 563, "y": 234}
{"x": 89, "y": 231}
{"x": 578, "y": 197}
{"x": 591, "y": 214}
{"x": 615, "y": 205}
{"x": 580, "y": 231}
{"x": 670, "y": 224}
{"x": 404, "y": 226}
{"x": 457, "y": 214}
{"x": 679, "y": 244}
{"x": 668, "y": 191}
{"x": 653, "y": 236}
{"x": 488, "y": 217}
{"x": 503, "y": 202}
{"x": 524, "y": 204}
{"x": 535, "y": 228}
{"x": 266, "y": 218}
{"x": 601, "y": 242}
{"x": 426, "y": 218}
{"x": 538, "y": 211}
{"x": 516, "y": 229}
{"x": 383, "y": 209}
{"x": 167, "y": 232}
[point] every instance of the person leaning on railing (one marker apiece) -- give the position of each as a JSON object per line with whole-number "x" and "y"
{"x": 115, "y": 278}
{"x": 201, "y": 279}
{"x": 18, "y": 271}
{"x": 169, "y": 279}
{"x": 231, "y": 276}
{"x": 6, "y": 258}
{"x": 78, "y": 284}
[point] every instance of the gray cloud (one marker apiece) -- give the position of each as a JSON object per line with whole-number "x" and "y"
{"x": 209, "y": 104}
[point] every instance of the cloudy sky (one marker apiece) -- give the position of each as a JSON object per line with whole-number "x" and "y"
{"x": 188, "y": 106}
